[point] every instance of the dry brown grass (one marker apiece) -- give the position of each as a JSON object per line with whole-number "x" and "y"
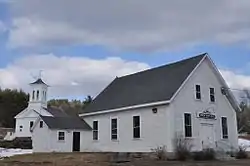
{"x": 101, "y": 159}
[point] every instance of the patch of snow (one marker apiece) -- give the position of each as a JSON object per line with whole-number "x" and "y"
{"x": 13, "y": 152}
{"x": 244, "y": 143}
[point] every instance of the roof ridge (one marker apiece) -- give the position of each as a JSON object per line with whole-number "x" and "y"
{"x": 162, "y": 66}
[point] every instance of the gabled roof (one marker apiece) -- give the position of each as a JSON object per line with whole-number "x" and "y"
{"x": 56, "y": 112}
{"x": 153, "y": 85}
{"x": 39, "y": 81}
{"x": 65, "y": 123}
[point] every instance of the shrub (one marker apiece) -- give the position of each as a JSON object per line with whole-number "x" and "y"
{"x": 160, "y": 152}
{"x": 241, "y": 153}
{"x": 206, "y": 154}
{"x": 22, "y": 143}
{"x": 182, "y": 147}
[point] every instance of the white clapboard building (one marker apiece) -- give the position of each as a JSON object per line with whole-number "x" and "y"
{"x": 141, "y": 111}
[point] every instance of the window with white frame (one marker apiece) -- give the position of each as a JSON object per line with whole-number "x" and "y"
{"x": 33, "y": 95}
{"x": 212, "y": 94}
{"x": 136, "y": 127}
{"x": 114, "y": 129}
{"x": 188, "y": 124}
{"x": 95, "y": 130}
{"x": 198, "y": 92}
{"x": 224, "y": 127}
{"x": 61, "y": 136}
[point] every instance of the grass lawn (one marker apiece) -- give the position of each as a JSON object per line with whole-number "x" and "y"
{"x": 94, "y": 159}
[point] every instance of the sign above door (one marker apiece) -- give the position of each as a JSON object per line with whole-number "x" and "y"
{"x": 207, "y": 114}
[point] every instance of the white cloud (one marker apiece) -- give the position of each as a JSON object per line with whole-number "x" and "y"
{"x": 234, "y": 80}
{"x": 67, "y": 76}
{"x": 3, "y": 27}
{"x": 142, "y": 25}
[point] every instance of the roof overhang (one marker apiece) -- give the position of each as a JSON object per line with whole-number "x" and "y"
{"x": 126, "y": 108}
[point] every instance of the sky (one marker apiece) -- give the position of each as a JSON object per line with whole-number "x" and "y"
{"x": 81, "y": 46}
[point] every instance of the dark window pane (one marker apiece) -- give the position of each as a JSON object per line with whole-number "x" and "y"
{"x": 212, "y": 98}
{"x": 187, "y": 119}
{"x": 95, "y": 125}
{"x": 136, "y": 121}
{"x": 114, "y": 136}
{"x": 198, "y": 88}
{"x": 95, "y": 135}
{"x": 137, "y": 132}
{"x": 188, "y": 131}
{"x": 198, "y": 96}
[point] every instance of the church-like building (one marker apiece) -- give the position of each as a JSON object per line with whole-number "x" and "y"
{"x": 37, "y": 107}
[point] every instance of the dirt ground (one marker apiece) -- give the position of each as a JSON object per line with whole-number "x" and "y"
{"x": 88, "y": 159}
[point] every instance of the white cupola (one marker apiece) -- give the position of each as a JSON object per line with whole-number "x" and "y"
{"x": 38, "y": 95}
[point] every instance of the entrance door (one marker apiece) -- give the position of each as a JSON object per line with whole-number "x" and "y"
{"x": 76, "y": 141}
{"x": 207, "y": 135}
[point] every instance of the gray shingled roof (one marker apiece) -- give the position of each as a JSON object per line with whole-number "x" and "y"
{"x": 38, "y": 81}
{"x": 65, "y": 123}
{"x": 153, "y": 85}
{"x": 56, "y": 112}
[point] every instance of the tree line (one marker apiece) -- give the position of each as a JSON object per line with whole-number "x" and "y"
{"x": 14, "y": 101}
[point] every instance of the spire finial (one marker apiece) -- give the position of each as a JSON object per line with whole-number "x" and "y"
{"x": 40, "y": 74}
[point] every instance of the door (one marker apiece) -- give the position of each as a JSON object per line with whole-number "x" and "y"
{"x": 76, "y": 141}
{"x": 207, "y": 135}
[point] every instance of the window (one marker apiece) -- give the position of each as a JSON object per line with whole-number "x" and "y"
{"x": 31, "y": 124}
{"x": 198, "y": 92}
{"x": 136, "y": 126}
{"x": 114, "y": 129}
{"x": 33, "y": 95}
{"x": 61, "y": 136}
{"x": 212, "y": 95}
{"x": 41, "y": 124}
{"x": 95, "y": 130}
{"x": 20, "y": 128}
{"x": 45, "y": 96}
{"x": 188, "y": 125}
{"x": 37, "y": 95}
{"x": 224, "y": 127}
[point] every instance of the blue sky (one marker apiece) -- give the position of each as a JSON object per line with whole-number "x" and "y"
{"x": 81, "y": 46}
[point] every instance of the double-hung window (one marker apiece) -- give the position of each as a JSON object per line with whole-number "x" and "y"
{"x": 198, "y": 92}
{"x": 95, "y": 130}
{"x": 224, "y": 127}
{"x": 114, "y": 131}
{"x": 61, "y": 136}
{"x": 188, "y": 124}
{"x": 212, "y": 95}
{"x": 136, "y": 127}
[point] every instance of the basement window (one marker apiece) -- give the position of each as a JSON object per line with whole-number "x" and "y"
{"x": 61, "y": 136}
